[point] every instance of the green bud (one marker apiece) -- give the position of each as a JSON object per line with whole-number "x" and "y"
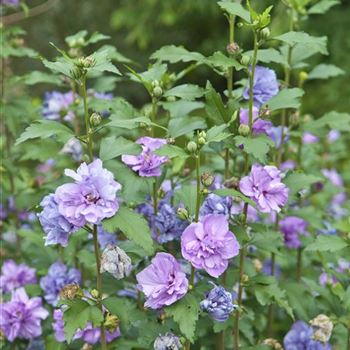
{"x": 205, "y": 191}
{"x": 295, "y": 118}
{"x": 155, "y": 83}
{"x": 232, "y": 48}
{"x": 95, "y": 119}
{"x": 94, "y": 293}
{"x": 201, "y": 141}
{"x": 302, "y": 77}
{"x": 245, "y": 60}
{"x": 157, "y": 91}
{"x": 182, "y": 214}
{"x": 171, "y": 98}
{"x": 192, "y": 147}
{"x": 86, "y": 62}
{"x": 240, "y": 24}
{"x": 244, "y": 130}
{"x": 111, "y": 322}
{"x": 202, "y": 134}
{"x": 207, "y": 179}
{"x": 265, "y": 33}
{"x": 76, "y": 72}
{"x": 170, "y": 141}
{"x": 245, "y": 278}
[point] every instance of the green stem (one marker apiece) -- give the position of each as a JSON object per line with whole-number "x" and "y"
{"x": 245, "y": 210}
{"x": 198, "y": 183}
{"x": 155, "y": 197}
{"x": 99, "y": 284}
{"x": 299, "y": 264}
{"x": 153, "y": 114}
{"x": 86, "y": 117}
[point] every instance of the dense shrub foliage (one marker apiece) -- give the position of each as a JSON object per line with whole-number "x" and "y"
{"x": 205, "y": 219}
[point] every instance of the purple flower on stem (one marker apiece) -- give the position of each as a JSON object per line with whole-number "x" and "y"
{"x": 264, "y": 186}
{"x": 300, "y": 337}
{"x": 214, "y": 204}
{"x": 56, "y": 106}
{"x": 333, "y": 136}
{"x": 333, "y": 176}
{"x": 275, "y": 134}
{"x": 260, "y": 126}
{"x": 218, "y": 304}
{"x": 162, "y": 282}
{"x": 309, "y": 138}
{"x": 93, "y": 196}
{"x": 74, "y": 148}
{"x": 54, "y": 224}
{"x": 288, "y": 165}
{"x": 167, "y": 341}
{"x": 265, "y": 86}
{"x": 292, "y": 227}
{"x": 14, "y": 276}
{"x": 21, "y": 317}
{"x": 57, "y": 277}
{"x": 208, "y": 244}
{"x": 147, "y": 163}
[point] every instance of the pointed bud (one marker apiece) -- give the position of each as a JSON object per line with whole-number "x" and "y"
{"x": 182, "y": 214}
{"x": 245, "y": 60}
{"x": 157, "y": 91}
{"x": 207, "y": 179}
{"x": 201, "y": 141}
{"x": 265, "y": 33}
{"x": 192, "y": 147}
{"x": 115, "y": 261}
{"x": 95, "y": 119}
{"x": 244, "y": 130}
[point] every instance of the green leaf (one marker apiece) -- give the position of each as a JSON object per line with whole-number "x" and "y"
{"x": 346, "y": 299}
{"x": 37, "y": 77}
{"x": 186, "y": 195}
{"x": 72, "y": 40}
{"x": 234, "y": 193}
{"x": 112, "y": 147}
{"x": 217, "y": 133}
{"x": 325, "y": 71}
{"x": 124, "y": 123}
{"x": 235, "y": 9}
{"x": 270, "y": 241}
{"x": 181, "y": 108}
{"x": 292, "y": 38}
{"x": 103, "y": 63}
{"x": 185, "y": 91}
{"x": 297, "y": 181}
{"x": 61, "y": 66}
{"x": 133, "y": 226}
{"x": 78, "y": 314}
{"x": 332, "y": 120}
{"x": 172, "y": 151}
{"x": 96, "y": 37}
{"x": 174, "y": 54}
{"x": 322, "y": 7}
{"x": 327, "y": 243}
{"x": 219, "y": 60}
{"x": 215, "y": 107}
{"x": 185, "y": 313}
{"x": 181, "y": 126}
{"x": 46, "y": 128}
{"x": 269, "y": 56}
{"x": 286, "y": 98}
{"x": 258, "y": 147}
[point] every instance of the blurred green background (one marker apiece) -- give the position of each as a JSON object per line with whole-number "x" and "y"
{"x": 138, "y": 28}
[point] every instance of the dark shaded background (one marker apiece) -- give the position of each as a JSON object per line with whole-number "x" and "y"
{"x": 139, "y": 27}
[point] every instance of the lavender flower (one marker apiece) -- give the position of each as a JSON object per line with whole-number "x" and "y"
{"x": 74, "y": 148}
{"x": 264, "y": 186}
{"x": 218, "y": 304}
{"x": 252, "y": 213}
{"x": 162, "y": 282}
{"x": 168, "y": 341}
{"x": 105, "y": 238}
{"x": 309, "y": 138}
{"x": 333, "y": 176}
{"x": 214, "y": 204}
{"x": 265, "y": 86}
{"x": 327, "y": 279}
{"x": 91, "y": 198}
{"x": 333, "y": 136}
{"x": 21, "y": 317}
{"x": 300, "y": 337}
{"x": 57, "y": 277}
{"x": 55, "y": 225}
{"x": 275, "y": 134}
{"x": 147, "y": 163}
{"x": 208, "y": 244}
{"x": 56, "y": 106}
{"x": 58, "y": 325}
{"x": 288, "y": 165}
{"x": 260, "y": 126}
{"x": 14, "y": 3}
{"x": 292, "y": 227}
{"x": 14, "y": 276}
{"x": 115, "y": 261}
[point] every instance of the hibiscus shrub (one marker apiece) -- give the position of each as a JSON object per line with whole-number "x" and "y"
{"x": 205, "y": 219}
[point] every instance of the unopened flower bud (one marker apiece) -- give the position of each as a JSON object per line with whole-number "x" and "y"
{"x": 86, "y": 62}
{"x": 232, "y": 48}
{"x": 265, "y": 33}
{"x": 295, "y": 118}
{"x": 185, "y": 172}
{"x": 171, "y": 98}
{"x": 95, "y": 119}
{"x": 155, "y": 83}
{"x": 73, "y": 52}
{"x": 245, "y": 60}
{"x": 322, "y": 326}
{"x": 244, "y": 130}
{"x": 204, "y": 191}
{"x": 115, "y": 261}
{"x": 245, "y": 278}
{"x": 192, "y": 147}
{"x": 71, "y": 291}
{"x": 182, "y": 214}
{"x": 167, "y": 341}
{"x": 207, "y": 179}
{"x": 76, "y": 72}
{"x": 95, "y": 293}
{"x": 302, "y": 77}
{"x": 203, "y": 134}
{"x": 157, "y": 91}
{"x": 111, "y": 322}
{"x": 272, "y": 343}
{"x": 257, "y": 265}
{"x": 232, "y": 182}
{"x": 240, "y": 24}
{"x": 201, "y": 141}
